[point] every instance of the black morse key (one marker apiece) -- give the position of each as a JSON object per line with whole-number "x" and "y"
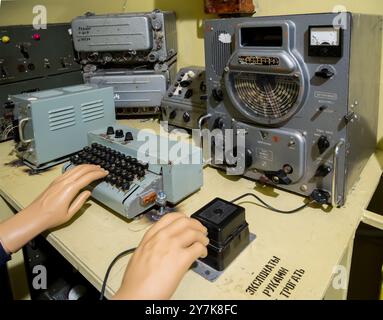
{"x": 228, "y": 231}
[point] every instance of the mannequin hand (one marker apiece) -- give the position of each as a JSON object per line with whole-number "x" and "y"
{"x": 61, "y": 200}
{"x": 165, "y": 254}
{"x": 54, "y": 207}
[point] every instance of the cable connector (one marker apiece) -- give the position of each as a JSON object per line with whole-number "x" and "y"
{"x": 320, "y": 197}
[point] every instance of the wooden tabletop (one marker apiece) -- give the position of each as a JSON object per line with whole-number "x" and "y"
{"x": 309, "y": 243}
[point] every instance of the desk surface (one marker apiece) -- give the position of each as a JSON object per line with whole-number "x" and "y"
{"x": 313, "y": 240}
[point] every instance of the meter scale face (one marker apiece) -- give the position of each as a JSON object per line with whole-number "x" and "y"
{"x": 325, "y": 41}
{"x": 324, "y": 37}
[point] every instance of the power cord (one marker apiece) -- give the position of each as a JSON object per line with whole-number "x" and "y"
{"x": 121, "y": 255}
{"x": 269, "y": 206}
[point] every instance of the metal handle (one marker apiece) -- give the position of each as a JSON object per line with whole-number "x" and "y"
{"x": 335, "y": 200}
{"x": 22, "y": 123}
{"x": 202, "y": 120}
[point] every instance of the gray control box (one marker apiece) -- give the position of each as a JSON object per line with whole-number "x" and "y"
{"x": 54, "y": 124}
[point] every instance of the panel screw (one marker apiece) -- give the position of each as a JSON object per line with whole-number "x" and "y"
{"x": 304, "y": 188}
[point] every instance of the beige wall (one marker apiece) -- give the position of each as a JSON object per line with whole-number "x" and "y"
{"x": 190, "y": 16}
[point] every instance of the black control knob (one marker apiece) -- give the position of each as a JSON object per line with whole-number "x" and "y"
{"x": 185, "y": 83}
{"x": 325, "y": 73}
{"x": 119, "y": 134}
{"x": 129, "y": 137}
{"x": 110, "y": 131}
{"x": 186, "y": 117}
{"x": 173, "y": 115}
{"x": 217, "y": 94}
{"x": 24, "y": 51}
{"x": 219, "y": 124}
{"x": 189, "y": 94}
{"x": 323, "y": 144}
{"x": 323, "y": 171}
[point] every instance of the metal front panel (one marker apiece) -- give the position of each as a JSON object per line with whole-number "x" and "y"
{"x": 324, "y": 103}
{"x": 183, "y": 106}
{"x": 26, "y": 58}
{"x": 112, "y": 33}
{"x": 132, "y": 89}
{"x": 34, "y": 60}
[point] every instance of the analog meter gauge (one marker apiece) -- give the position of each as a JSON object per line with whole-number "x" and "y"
{"x": 325, "y": 41}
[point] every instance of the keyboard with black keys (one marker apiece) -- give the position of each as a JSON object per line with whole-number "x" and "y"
{"x": 140, "y": 165}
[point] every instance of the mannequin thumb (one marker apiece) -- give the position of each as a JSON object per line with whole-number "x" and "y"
{"x": 78, "y": 203}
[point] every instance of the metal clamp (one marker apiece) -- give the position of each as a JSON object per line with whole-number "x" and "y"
{"x": 22, "y": 123}
{"x": 334, "y": 199}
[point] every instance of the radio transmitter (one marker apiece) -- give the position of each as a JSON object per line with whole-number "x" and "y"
{"x": 304, "y": 89}
{"x": 54, "y": 124}
{"x": 185, "y": 102}
{"x": 135, "y": 91}
{"x": 33, "y": 60}
{"x": 125, "y": 39}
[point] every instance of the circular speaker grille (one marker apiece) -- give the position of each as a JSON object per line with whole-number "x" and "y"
{"x": 267, "y": 97}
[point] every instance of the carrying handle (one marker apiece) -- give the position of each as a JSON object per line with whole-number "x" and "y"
{"x": 22, "y": 124}
{"x": 335, "y": 201}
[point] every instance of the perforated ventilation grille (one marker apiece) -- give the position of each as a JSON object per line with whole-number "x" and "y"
{"x": 92, "y": 110}
{"x": 62, "y": 118}
{"x": 268, "y": 97}
{"x": 220, "y": 53}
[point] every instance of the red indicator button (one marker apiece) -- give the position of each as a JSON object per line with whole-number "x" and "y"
{"x": 36, "y": 37}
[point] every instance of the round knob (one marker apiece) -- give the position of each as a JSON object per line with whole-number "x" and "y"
{"x": 219, "y": 123}
{"x": 325, "y": 73}
{"x": 110, "y": 131}
{"x": 5, "y": 39}
{"x": 323, "y": 171}
{"x": 323, "y": 144}
{"x": 173, "y": 114}
{"x": 119, "y": 134}
{"x": 186, "y": 117}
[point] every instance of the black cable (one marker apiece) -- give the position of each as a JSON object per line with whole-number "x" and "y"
{"x": 121, "y": 255}
{"x": 268, "y": 206}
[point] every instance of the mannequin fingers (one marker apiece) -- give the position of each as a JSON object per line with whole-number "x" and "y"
{"x": 86, "y": 179}
{"x": 78, "y": 203}
{"x": 183, "y": 224}
{"x": 190, "y": 236}
{"x": 163, "y": 223}
{"x": 78, "y": 172}
{"x": 194, "y": 252}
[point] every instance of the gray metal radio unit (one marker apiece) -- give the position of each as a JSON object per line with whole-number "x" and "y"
{"x": 138, "y": 174}
{"x": 135, "y": 91}
{"x": 54, "y": 124}
{"x": 126, "y": 39}
{"x": 33, "y": 60}
{"x": 185, "y": 102}
{"x": 304, "y": 89}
